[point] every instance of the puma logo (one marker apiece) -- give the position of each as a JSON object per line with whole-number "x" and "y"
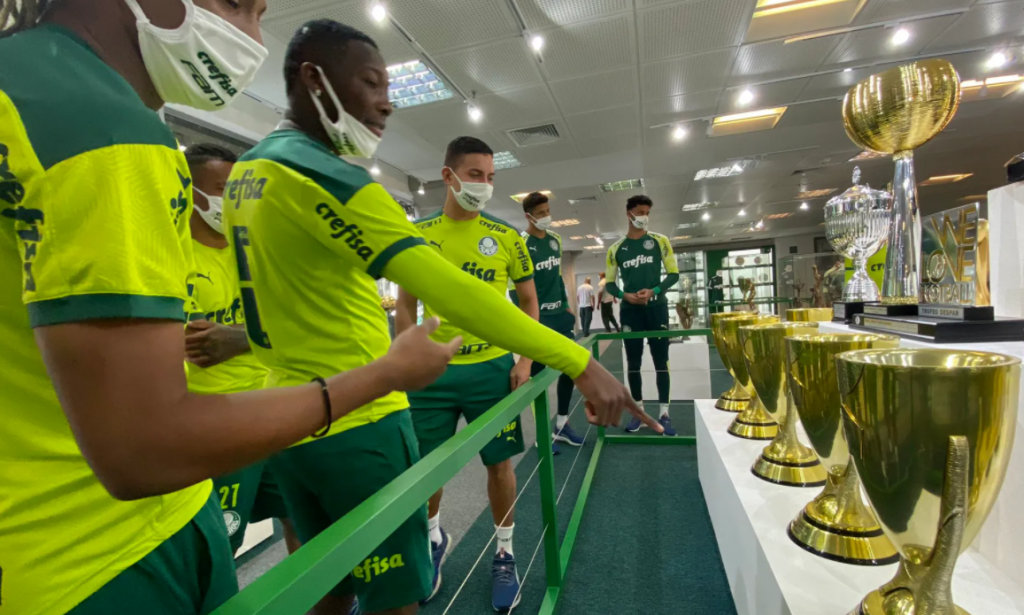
{"x": 205, "y": 277}
{"x": 434, "y": 243}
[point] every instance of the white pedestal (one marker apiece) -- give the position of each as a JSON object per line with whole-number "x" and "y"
{"x": 255, "y": 533}
{"x": 769, "y": 574}
{"x": 689, "y": 368}
{"x": 1006, "y": 251}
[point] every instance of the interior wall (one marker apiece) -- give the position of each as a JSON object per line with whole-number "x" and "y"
{"x": 804, "y": 244}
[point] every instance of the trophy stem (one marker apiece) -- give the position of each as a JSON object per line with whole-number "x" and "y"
{"x": 922, "y": 584}
{"x": 901, "y": 284}
{"x": 786, "y": 461}
{"x": 861, "y": 287}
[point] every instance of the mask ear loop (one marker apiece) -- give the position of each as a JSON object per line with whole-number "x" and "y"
{"x": 330, "y": 92}
{"x": 452, "y": 187}
{"x": 186, "y": 24}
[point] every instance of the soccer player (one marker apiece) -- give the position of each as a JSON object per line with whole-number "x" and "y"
{"x": 607, "y": 301}
{"x": 545, "y": 248}
{"x": 640, "y": 257}
{"x": 216, "y": 346}
{"x": 105, "y": 502}
{"x": 311, "y": 233}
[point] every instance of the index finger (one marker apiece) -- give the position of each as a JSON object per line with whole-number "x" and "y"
{"x": 431, "y": 324}
{"x": 645, "y": 418}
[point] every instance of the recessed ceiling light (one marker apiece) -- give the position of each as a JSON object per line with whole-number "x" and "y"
{"x": 378, "y": 12}
{"x": 475, "y": 113}
{"x": 412, "y": 83}
{"x": 745, "y": 98}
{"x": 760, "y": 224}
{"x": 679, "y": 133}
{"x": 743, "y": 213}
{"x": 522, "y": 195}
{"x": 375, "y": 170}
{"x": 626, "y": 184}
{"x": 901, "y": 36}
{"x": 813, "y": 194}
{"x": 706, "y": 216}
{"x": 997, "y": 60}
{"x": 537, "y": 42}
{"x": 938, "y": 180}
{"x": 422, "y": 190}
{"x": 847, "y": 70}
{"x": 804, "y": 206}
{"x": 506, "y": 160}
{"x": 566, "y": 222}
{"x": 774, "y": 217}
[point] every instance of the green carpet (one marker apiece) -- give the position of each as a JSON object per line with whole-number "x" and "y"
{"x": 646, "y": 543}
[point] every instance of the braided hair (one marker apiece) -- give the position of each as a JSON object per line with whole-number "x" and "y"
{"x": 19, "y": 15}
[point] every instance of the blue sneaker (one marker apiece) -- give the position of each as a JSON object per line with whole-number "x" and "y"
{"x": 440, "y": 554}
{"x": 567, "y": 435}
{"x": 634, "y": 425}
{"x": 355, "y": 608}
{"x": 505, "y": 588}
{"x": 667, "y": 424}
{"x": 554, "y": 448}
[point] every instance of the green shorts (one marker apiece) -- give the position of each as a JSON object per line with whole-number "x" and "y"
{"x": 650, "y": 317}
{"x": 470, "y": 391}
{"x": 192, "y": 572}
{"x": 324, "y": 480}
{"x": 247, "y": 496}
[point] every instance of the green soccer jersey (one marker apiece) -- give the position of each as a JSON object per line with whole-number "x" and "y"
{"x": 485, "y": 247}
{"x": 546, "y": 254}
{"x": 94, "y": 206}
{"x": 217, "y": 297}
{"x": 640, "y": 262}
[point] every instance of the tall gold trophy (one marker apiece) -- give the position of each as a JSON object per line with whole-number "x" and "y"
{"x": 754, "y": 423}
{"x": 895, "y": 112}
{"x": 785, "y": 461}
{"x": 837, "y": 524}
{"x": 735, "y": 399}
{"x": 930, "y": 432}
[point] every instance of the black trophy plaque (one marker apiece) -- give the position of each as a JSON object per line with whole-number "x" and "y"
{"x": 880, "y": 309}
{"x": 844, "y": 311}
{"x": 957, "y": 312}
{"x": 944, "y": 330}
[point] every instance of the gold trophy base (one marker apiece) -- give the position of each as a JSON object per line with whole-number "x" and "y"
{"x": 860, "y": 548}
{"x": 754, "y": 423}
{"x": 733, "y": 400}
{"x": 802, "y": 473}
{"x": 874, "y": 604}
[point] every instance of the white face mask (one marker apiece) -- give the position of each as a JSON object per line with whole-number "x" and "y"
{"x": 204, "y": 63}
{"x": 213, "y": 214}
{"x": 474, "y": 195}
{"x": 542, "y": 223}
{"x": 349, "y": 136}
{"x": 639, "y": 222}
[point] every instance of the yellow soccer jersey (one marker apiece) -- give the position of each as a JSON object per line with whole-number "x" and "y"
{"x": 94, "y": 206}
{"x": 311, "y": 233}
{"x": 485, "y": 247}
{"x": 216, "y": 297}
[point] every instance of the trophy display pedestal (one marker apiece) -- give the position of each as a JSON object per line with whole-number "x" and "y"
{"x": 944, "y": 330}
{"x": 880, "y": 309}
{"x": 769, "y": 574}
{"x": 844, "y": 311}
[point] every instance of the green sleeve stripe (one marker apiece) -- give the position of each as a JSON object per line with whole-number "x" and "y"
{"x": 94, "y": 307}
{"x": 309, "y": 158}
{"x": 376, "y": 268}
{"x": 525, "y": 278}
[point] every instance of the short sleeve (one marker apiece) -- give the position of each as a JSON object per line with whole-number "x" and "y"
{"x": 105, "y": 235}
{"x": 520, "y": 267}
{"x": 668, "y": 257}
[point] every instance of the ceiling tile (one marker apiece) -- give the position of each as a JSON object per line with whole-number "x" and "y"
{"x": 592, "y": 92}
{"x": 681, "y": 108}
{"x": 546, "y": 13}
{"x": 607, "y": 144}
{"x": 490, "y": 68}
{"x": 767, "y": 95}
{"x": 875, "y": 43}
{"x": 886, "y": 10}
{"x": 448, "y": 24}
{"x": 590, "y": 47}
{"x": 285, "y": 8}
{"x": 593, "y": 124}
{"x": 518, "y": 108}
{"x": 828, "y": 111}
{"x": 837, "y": 84}
{"x": 551, "y": 152}
{"x": 986, "y": 24}
{"x": 764, "y": 61}
{"x": 706, "y": 71}
{"x": 692, "y": 27}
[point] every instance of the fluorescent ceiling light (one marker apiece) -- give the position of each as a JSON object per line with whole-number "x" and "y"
{"x": 593, "y": 247}
{"x": 847, "y": 70}
{"x": 522, "y": 195}
{"x": 598, "y": 237}
{"x": 687, "y": 225}
{"x": 938, "y": 180}
{"x": 745, "y": 98}
{"x": 975, "y": 197}
{"x": 780, "y": 19}
{"x": 997, "y": 60}
{"x": 566, "y": 222}
{"x": 681, "y": 237}
{"x": 679, "y": 133}
{"x": 576, "y": 237}
{"x": 475, "y": 113}
{"x": 749, "y": 115}
{"x": 804, "y": 206}
{"x": 506, "y": 160}
{"x": 814, "y": 194}
{"x": 626, "y": 184}
{"x": 412, "y": 83}
{"x": 868, "y": 155}
{"x": 767, "y": 8}
{"x": 378, "y": 12}
{"x": 537, "y": 42}
{"x": 901, "y": 36}
{"x": 991, "y": 88}
{"x": 706, "y": 216}
{"x": 698, "y": 206}
{"x": 735, "y": 169}
{"x": 814, "y": 35}
{"x": 750, "y": 121}
{"x": 774, "y": 217}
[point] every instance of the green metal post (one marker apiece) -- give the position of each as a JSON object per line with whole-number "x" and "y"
{"x": 547, "y": 491}
{"x": 596, "y": 349}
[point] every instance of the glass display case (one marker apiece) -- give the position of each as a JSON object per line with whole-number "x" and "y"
{"x": 812, "y": 280}
{"x": 688, "y": 299}
{"x": 747, "y": 277}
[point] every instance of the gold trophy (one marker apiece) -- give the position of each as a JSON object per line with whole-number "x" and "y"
{"x": 930, "y": 432}
{"x": 895, "y": 112}
{"x": 754, "y": 423}
{"x": 809, "y": 315}
{"x": 735, "y": 399}
{"x": 837, "y": 524}
{"x": 785, "y": 461}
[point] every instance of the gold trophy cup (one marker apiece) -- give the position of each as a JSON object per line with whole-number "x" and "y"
{"x": 809, "y": 315}
{"x": 735, "y": 399}
{"x": 785, "y": 461}
{"x": 930, "y": 432}
{"x": 837, "y": 524}
{"x": 754, "y": 423}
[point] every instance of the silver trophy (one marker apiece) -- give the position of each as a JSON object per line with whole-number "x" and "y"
{"x": 857, "y": 224}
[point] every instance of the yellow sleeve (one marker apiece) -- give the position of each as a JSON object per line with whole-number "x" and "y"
{"x": 520, "y": 269}
{"x": 474, "y": 307}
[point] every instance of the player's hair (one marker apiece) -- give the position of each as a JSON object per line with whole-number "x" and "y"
{"x": 199, "y": 154}
{"x": 533, "y": 200}
{"x": 319, "y": 41}
{"x": 461, "y": 147}
{"x": 636, "y": 201}
{"x": 18, "y": 15}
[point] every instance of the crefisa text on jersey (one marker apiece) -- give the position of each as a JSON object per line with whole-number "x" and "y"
{"x": 246, "y": 188}
{"x": 342, "y": 229}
